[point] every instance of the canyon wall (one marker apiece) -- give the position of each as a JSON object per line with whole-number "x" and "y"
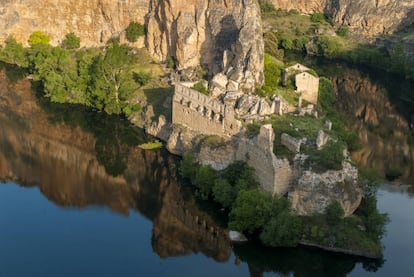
{"x": 366, "y": 17}
{"x": 94, "y": 21}
{"x": 221, "y": 36}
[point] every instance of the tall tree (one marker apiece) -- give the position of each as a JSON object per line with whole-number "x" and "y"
{"x": 111, "y": 78}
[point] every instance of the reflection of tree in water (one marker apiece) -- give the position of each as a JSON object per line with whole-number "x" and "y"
{"x": 300, "y": 261}
{"x": 114, "y": 135}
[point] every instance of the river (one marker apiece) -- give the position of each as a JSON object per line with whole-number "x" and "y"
{"x": 79, "y": 198}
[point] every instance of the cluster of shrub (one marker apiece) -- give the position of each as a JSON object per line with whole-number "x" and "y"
{"x": 332, "y": 47}
{"x": 99, "y": 78}
{"x": 259, "y": 213}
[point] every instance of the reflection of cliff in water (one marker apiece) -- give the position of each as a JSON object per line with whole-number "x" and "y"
{"x": 79, "y": 158}
{"x": 379, "y": 107}
{"x": 96, "y": 162}
{"x": 381, "y": 110}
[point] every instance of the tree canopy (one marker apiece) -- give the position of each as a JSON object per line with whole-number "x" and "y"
{"x": 38, "y": 37}
{"x": 134, "y": 31}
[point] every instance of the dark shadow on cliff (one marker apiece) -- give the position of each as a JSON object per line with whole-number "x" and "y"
{"x": 213, "y": 49}
{"x": 157, "y": 98}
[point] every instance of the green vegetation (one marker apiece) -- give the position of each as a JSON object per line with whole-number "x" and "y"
{"x": 38, "y": 37}
{"x": 315, "y": 35}
{"x": 317, "y": 18}
{"x": 393, "y": 172}
{"x": 258, "y": 213}
{"x": 134, "y": 31}
{"x": 200, "y": 87}
{"x": 112, "y": 79}
{"x": 342, "y": 31}
{"x": 71, "y": 41}
{"x": 156, "y": 144}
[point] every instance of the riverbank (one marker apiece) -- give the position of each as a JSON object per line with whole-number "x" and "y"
{"x": 108, "y": 107}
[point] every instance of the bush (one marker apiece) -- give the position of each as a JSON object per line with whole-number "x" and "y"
{"x": 330, "y": 157}
{"x": 71, "y": 41}
{"x": 170, "y": 62}
{"x": 342, "y": 32}
{"x": 134, "y": 31}
{"x": 266, "y": 7}
{"x": 142, "y": 78}
{"x": 334, "y": 213}
{"x": 188, "y": 167}
{"x": 328, "y": 46}
{"x": 317, "y": 18}
{"x": 199, "y": 86}
{"x": 272, "y": 73}
{"x": 282, "y": 230}
{"x": 251, "y": 211}
{"x": 38, "y": 37}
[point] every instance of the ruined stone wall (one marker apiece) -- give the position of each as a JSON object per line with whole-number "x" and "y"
{"x": 308, "y": 86}
{"x": 203, "y": 114}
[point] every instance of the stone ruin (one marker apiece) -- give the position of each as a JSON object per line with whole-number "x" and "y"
{"x": 307, "y": 85}
{"x": 221, "y": 115}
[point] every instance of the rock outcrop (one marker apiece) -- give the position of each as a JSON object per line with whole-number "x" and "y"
{"x": 221, "y": 36}
{"x": 94, "y": 21}
{"x": 314, "y": 191}
{"x": 366, "y": 17}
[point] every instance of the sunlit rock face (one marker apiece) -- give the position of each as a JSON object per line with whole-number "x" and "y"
{"x": 74, "y": 167}
{"x": 221, "y": 36}
{"x": 94, "y": 21}
{"x": 366, "y": 17}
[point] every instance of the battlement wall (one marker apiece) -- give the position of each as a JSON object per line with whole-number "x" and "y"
{"x": 201, "y": 113}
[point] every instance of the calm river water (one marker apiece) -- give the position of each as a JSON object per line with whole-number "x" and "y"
{"x": 79, "y": 198}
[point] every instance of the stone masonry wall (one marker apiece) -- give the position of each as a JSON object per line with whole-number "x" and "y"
{"x": 308, "y": 86}
{"x": 203, "y": 114}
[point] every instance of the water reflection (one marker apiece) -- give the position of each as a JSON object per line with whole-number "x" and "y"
{"x": 94, "y": 161}
{"x": 79, "y": 158}
{"x": 380, "y": 108}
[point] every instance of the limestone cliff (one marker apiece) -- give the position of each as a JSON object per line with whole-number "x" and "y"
{"x": 94, "y": 21}
{"x": 221, "y": 36}
{"x": 366, "y": 17}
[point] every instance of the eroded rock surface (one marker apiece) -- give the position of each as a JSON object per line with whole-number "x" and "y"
{"x": 223, "y": 36}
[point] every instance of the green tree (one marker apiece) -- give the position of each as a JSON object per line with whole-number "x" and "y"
{"x": 328, "y": 46}
{"x": 223, "y": 193}
{"x": 204, "y": 181}
{"x": 38, "y": 37}
{"x": 71, "y": 41}
{"x": 317, "y": 18}
{"x": 251, "y": 210}
{"x": 283, "y": 229}
{"x": 188, "y": 167}
{"x": 134, "y": 31}
{"x": 142, "y": 78}
{"x": 14, "y": 53}
{"x": 56, "y": 69}
{"x": 112, "y": 79}
{"x": 334, "y": 213}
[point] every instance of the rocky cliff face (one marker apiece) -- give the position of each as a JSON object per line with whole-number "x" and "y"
{"x": 221, "y": 36}
{"x": 367, "y": 17}
{"x": 94, "y": 21}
